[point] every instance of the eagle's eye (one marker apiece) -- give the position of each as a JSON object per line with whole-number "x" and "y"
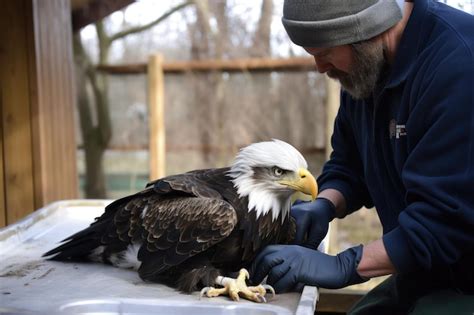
{"x": 277, "y": 171}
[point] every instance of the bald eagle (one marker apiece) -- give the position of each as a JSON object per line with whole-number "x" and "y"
{"x": 189, "y": 230}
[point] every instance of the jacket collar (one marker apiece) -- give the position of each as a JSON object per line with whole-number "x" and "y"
{"x": 409, "y": 45}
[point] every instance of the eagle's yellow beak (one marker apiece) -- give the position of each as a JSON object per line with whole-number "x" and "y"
{"x": 304, "y": 183}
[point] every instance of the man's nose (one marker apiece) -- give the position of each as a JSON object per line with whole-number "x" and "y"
{"x": 322, "y": 66}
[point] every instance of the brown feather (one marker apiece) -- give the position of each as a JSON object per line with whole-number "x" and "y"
{"x": 190, "y": 226}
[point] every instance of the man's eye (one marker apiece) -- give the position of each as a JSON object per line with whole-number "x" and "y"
{"x": 277, "y": 171}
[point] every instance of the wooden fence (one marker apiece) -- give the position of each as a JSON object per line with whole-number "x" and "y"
{"x": 156, "y": 68}
{"x": 235, "y": 65}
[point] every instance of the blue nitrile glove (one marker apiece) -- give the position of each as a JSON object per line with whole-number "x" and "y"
{"x": 312, "y": 221}
{"x": 288, "y": 265}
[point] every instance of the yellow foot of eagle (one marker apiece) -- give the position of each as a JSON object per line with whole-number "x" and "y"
{"x": 237, "y": 287}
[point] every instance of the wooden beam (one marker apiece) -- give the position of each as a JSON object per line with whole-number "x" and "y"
{"x": 52, "y": 121}
{"x": 38, "y": 156}
{"x": 139, "y": 68}
{"x": 95, "y": 10}
{"x": 3, "y": 206}
{"x": 199, "y": 147}
{"x": 156, "y": 117}
{"x": 16, "y": 114}
{"x": 235, "y": 65}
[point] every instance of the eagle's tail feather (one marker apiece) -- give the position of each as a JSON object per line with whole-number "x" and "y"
{"x": 79, "y": 246}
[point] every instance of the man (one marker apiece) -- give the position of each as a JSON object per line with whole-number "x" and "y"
{"x": 403, "y": 142}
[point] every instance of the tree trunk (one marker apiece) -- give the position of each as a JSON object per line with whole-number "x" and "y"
{"x": 262, "y": 82}
{"x": 261, "y": 39}
{"x": 221, "y": 42}
{"x": 93, "y": 145}
{"x": 200, "y": 49}
{"x": 96, "y": 138}
{"x": 94, "y": 150}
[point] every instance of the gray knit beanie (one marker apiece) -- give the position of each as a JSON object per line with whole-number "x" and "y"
{"x": 327, "y": 23}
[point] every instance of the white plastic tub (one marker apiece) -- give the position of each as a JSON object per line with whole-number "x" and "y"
{"x": 30, "y": 284}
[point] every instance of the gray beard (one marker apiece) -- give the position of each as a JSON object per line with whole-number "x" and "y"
{"x": 366, "y": 72}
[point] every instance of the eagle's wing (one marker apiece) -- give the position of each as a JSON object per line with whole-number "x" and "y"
{"x": 171, "y": 220}
{"x": 175, "y": 218}
{"x": 181, "y": 227}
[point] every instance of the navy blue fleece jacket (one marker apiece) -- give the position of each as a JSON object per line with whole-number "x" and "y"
{"x": 409, "y": 149}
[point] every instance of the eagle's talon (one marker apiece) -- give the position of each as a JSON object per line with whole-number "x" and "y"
{"x": 243, "y": 273}
{"x": 211, "y": 292}
{"x": 261, "y": 298}
{"x": 237, "y": 288}
{"x": 204, "y": 292}
{"x": 267, "y": 288}
{"x": 234, "y": 295}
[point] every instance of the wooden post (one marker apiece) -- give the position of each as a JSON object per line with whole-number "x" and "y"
{"x": 52, "y": 104}
{"x": 16, "y": 110}
{"x": 37, "y": 156}
{"x": 332, "y": 106}
{"x": 3, "y": 206}
{"x": 156, "y": 116}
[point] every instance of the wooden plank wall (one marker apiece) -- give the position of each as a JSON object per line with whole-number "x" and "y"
{"x": 54, "y": 145}
{"x": 3, "y": 214}
{"x": 36, "y": 90}
{"x": 17, "y": 148}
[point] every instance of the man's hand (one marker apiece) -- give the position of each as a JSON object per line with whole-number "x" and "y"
{"x": 288, "y": 265}
{"x": 312, "y": 221}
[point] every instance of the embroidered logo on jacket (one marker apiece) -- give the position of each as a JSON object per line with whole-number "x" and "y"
{"x": 396, "y": 130}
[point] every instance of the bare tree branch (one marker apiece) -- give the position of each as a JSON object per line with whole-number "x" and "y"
{"x": 138, "y": 29}
{"x": 104, "y": 41}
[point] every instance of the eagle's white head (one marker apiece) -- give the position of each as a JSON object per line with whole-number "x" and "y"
{"x": 269, "y": 173}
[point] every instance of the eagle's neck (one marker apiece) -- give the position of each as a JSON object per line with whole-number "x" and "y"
{"x": 261, "y": 199}
{"x": 263, "y": 202}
